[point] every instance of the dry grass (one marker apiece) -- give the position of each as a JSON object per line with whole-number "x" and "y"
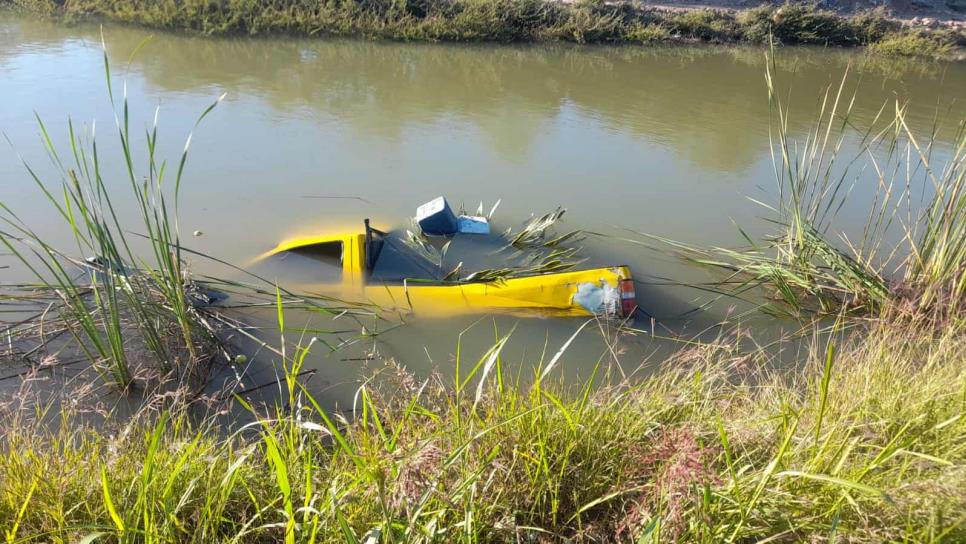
{"x": 866, "y": 443}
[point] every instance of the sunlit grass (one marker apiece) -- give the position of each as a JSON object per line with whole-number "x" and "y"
{"x": 912, "y": 44}
{"x": 912, "y": 247}
{"x": 115, "y": 293}
{"x": 866, "y": 443}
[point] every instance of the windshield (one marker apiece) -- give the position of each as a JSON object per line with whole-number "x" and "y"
{"x": 395, "y": 262}
{"x": 389, "y": 258}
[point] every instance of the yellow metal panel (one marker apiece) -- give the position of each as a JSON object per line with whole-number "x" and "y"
{"x": 354, "y": 260}
{"x": 546, "y": 294}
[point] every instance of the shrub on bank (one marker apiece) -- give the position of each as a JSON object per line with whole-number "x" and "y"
{"x": 805, "y": 24}
{"x": 648, "y": 33}
{"x": 497, "y": 20}
{"x": 706, "y": 25}
{"x": 911, "y": 44}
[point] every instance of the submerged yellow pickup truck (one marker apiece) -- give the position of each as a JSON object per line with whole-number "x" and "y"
{"x": 606, "y": 292}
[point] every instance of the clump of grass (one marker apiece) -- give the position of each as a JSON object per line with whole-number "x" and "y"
{"x": 500, "y": 20}
{"x": 125, "y": 295}
{"x": 590, "y": 21}
{"x": 538, "y": 232}
{"x": 935, "y": 269}
{"x": 811, "y": 268}
{"x": 421, "y": 246}
{"x": 866, "y": 443}
{"x": 795, "y": 23}
{"x": 872, "y": 25}
{"x": 911, "y": 44}
{"x": 534, "y": 263}
{"x": 42, "y": 8}
{"x": 801, "y": 23}
{"x": 705, "y": 25}
{"x": 647, "y": 33}
{"x": 539, "y": 249}
{"x": 132, "y": 309}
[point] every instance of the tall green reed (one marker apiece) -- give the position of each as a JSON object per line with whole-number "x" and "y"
{"x": 910, "y": 249}
{"x": 125, "y": 291}
{"x": 936, "y": 265}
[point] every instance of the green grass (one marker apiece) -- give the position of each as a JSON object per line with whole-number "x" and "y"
{"x": 648, "y": 33}
{"x": 867, "y": 443}
{"x": 535, "y": 249}
{"x": 911, "y": 44}
{"x": 102, "y": 303}
{"x": 584, "y": 21}
{"x": 805, "y": 24}
{"x": 912, "y": 248}
{"x": 706, "y": 25}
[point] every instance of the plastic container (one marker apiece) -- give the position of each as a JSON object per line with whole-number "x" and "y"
{"x": 472, "y": 224}
{"x": 436, "y": 218}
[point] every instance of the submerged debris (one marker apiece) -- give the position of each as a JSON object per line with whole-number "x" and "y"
{"x": 536, "y": 231}
{"x": 436, "y": 218}
{"x": 537, "y": 249}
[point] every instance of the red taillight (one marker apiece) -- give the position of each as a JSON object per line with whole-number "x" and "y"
{"x": 628, "y": 297}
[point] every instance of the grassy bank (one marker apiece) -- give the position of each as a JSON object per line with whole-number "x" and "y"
{"x": 513, "y": 21}
{"x": 866, "y": 444}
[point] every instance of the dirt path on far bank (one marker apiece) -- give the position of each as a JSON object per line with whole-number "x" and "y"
{"x": 932, "y": 13}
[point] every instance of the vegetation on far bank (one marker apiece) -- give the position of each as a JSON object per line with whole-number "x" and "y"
{"x": 585, "y": 21}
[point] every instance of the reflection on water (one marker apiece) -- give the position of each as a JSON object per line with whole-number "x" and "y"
{"x": 705, "y": 103}
{"x": 670, "y": 141}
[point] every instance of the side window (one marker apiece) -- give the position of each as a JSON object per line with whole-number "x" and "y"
{"x": 329, "y": 253}
{"x": 315, "y": 263}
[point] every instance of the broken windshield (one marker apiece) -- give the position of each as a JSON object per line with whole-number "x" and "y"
{"x": 396, "y": 262}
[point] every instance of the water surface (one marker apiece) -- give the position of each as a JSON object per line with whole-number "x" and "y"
{"x": 315, "y": 135}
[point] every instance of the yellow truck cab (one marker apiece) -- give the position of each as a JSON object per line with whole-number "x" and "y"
{"x": 606, "y": 292}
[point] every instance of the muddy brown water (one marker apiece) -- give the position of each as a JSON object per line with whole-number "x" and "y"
{"x": 315, "y": 135}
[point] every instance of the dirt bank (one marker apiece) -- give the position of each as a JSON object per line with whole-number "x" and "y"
{"x": 931, "y": 13}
